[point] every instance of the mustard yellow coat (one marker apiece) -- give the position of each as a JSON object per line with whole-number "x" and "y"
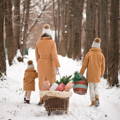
{"x": 94, "y": 62}
{"x": 29, "y": 79}
{"x": 47, "y": 60}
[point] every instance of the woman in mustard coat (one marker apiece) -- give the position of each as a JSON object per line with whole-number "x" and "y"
{"x": 94, "y": 62}
{"x": 46, "y": 57}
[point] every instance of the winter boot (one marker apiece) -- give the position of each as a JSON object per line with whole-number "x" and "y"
{"x": 97, "y": 101}
{"x": 93, "y": 103}
{"x": 24, "y": 100}
{"x": 28, "y": 101}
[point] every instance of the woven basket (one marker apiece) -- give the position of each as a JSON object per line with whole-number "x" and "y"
{"x": 56, "y": 104}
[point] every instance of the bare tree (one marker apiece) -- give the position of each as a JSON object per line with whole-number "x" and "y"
{"x": 64, "y": 27}
{"x": 113, "y": 54}
{"x": 36, "y": 19}
{"x": 90, "y": 24}
{"x": 71, "y": 13}
{"x": 2, "y": 50}
{"x": 17, "y": 22}
{"x": 55, "y": 20}
{"x": 104, "y": 29}
{"x": 25, "y": 24}
{"x": 28, "y": 25}
{"x": 78, "y": 16}
{"x": 9, "y": 40}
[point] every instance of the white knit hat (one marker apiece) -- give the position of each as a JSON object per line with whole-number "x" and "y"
{"x": 96, "y": 43}
{"x": 46, "y": 29}
{"x": 30, "y": 64}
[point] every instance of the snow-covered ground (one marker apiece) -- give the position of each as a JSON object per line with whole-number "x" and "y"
{"x": 13, "y": 108}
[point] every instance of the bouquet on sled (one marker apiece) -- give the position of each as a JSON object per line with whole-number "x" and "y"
{"x": 59, "y": 89}
{"x": 64, "y": 84}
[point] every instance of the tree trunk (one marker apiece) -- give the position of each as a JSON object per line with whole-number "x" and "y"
{"x": 71, "y": 23}
{"x": 90, "y": 24}
{"x": 10, "y": 43}
{"x": 2, "y": 49}
{"x": 78, "y": 15}
{"x": 113, "y": 55}
{"x": 70, "y": 42}
{"x": 104, "y": 30}
{"x": 25, "y": 26}
{"x": 17, "y": 23}
{"x": 55, "y": 22}
{"x": 59, "y": 23}
{"x": 64, "y": 27}
{"x": 119, "y": 36}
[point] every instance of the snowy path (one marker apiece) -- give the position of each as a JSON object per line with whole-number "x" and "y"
{"x": 111, "y": 108}
{"x": 13, "y": 108}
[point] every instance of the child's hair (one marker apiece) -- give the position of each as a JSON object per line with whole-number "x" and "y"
{"x": 97, "y": 40}
{"x": 30, "y": 62}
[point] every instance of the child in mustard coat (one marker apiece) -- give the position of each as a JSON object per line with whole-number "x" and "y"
{"x": 94, "y": 62}
{"x": 29, "y": 81}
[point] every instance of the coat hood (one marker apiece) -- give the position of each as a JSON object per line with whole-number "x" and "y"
{"x": 46, "y": 38}
{"x": 95, "y": 50}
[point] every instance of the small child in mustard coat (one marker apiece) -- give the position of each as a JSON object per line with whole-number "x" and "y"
{"x": 29, "y": 81}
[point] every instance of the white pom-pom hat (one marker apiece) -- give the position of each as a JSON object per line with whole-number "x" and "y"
{"x": 46, "y": 29}
{"x": 96, "y": 43}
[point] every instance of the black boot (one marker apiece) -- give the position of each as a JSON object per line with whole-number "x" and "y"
{"x": 24, "y": 100}
{"x": 28, "y": 101}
